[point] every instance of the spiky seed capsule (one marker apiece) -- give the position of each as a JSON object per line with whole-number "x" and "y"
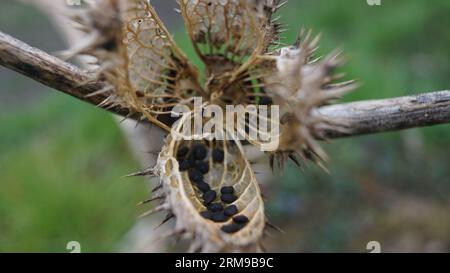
{"x": 149, "y": 74}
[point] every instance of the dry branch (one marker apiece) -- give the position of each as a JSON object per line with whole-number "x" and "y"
{"x": 364, "y": 117}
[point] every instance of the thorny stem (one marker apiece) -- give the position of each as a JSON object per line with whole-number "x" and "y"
{"x": 364, "y": 117}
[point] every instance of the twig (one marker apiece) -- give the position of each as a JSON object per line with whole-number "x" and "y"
{"x": 50, "y": 71}
{"x": 376, "y": 116}
{"x": 364, "y": 117}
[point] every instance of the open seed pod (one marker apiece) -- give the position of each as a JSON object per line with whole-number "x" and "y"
{"x": 147, "y": 72}
{"x": 208, "y": 203}
{"x": 207, "y": 184}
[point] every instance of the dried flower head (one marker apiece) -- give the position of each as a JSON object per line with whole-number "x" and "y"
{"x": 207, "y": 185}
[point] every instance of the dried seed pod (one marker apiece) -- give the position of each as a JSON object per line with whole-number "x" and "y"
{"x": 301, "y": 84}
{"x": 148, "y": 74}
{"x": 192, "y": 216}
{"x": 127, "y": 37}
{"x": 237, "y": 26}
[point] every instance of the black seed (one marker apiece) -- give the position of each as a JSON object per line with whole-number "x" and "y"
{"x": 209, "y": 197}
{"x": 182, "y": 152}
{"x": 227, "y": 190}
{"x": 219, "y": 217}
{"x": 265, "y": 100}
{"x": 231, "y": 210}
{"x": 218, "y": 155}
{"x": 199, "y": 152}
{"x": 228, "y": 198}
{"x": 232, "y": 228}
{"x": 241, "y": 219}
{"x": 184, "y": 165}
{"x": 202, "y": 167}
{"x": 206, "y": 214}
{"x": 195, "y": 176}
{"x": 191, "y": 161}
{"x": 215, "y": 207}
{"x": 203, "y": 186}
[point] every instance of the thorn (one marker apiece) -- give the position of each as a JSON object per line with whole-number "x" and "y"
{"x": 153, "y": 211}
{"x": 269, "y": 224}
{"x": 153, "y": 152}
{"x": 150, "y": 172}
{"x": 267, "y": 233}
{"x": 295, "y": 160}
{"x": 159, "y": 197}
{"x": 271, "y": 160}
{"x": 99, "y": 92}
{"x": 157, "y": 188}
{"x": 169, "y": 216}
{"x": 130, "y": 114}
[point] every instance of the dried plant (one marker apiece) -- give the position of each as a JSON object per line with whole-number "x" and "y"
{"x": 245, "y": 63}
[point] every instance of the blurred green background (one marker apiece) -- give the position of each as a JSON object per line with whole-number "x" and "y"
{"x": 61, "y": 160}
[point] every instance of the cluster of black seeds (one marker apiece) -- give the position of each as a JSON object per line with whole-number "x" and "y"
{"x": 193, "y": 161}
{"x": 220, "y": 211}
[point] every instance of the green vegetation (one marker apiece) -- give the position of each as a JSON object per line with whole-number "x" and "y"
{"x": 61, "y": 164}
